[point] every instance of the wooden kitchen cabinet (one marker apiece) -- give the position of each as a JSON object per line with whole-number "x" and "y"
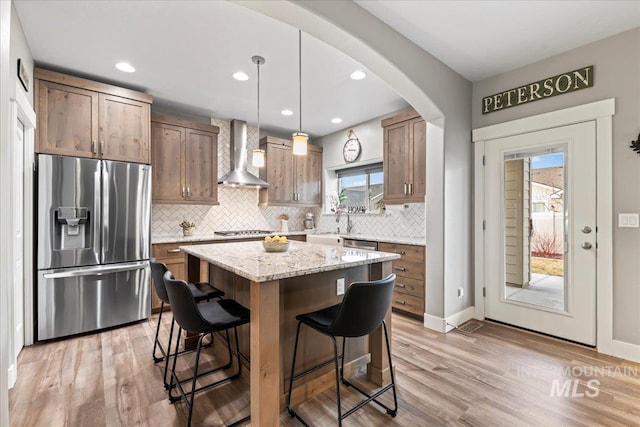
{"x": 171, "y": 255}
{"x": 404, "y": 158}
{"x": 84, "y": 118}
{"x": 408, "y": 295}
{"x": 185, "y": 161}
{"x": 293, "y": 180}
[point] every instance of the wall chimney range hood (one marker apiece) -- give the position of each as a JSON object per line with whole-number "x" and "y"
{"x": 238, "y": 145}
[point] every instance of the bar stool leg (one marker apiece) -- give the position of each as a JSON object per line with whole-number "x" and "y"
{"x": 173, "y": 377}
{"x": 293, "y": 366}
{"x": 335, "y": 360}
{"x": 168, "y": 354}
{"x": 393, "y": 379}
{"x": 155, "y": 342}
{"x": 344, "y": 341}
{"x": 195, "y": 378}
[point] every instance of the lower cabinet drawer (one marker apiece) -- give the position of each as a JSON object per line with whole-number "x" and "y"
{"x": 167, "y": 250}
{"x": 408, "y": 303}
{"x": 408, "y": 285}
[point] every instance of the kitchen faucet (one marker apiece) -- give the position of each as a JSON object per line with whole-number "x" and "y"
{"x": 349, "y": 223}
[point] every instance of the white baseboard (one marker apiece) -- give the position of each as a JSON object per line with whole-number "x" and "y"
{"x": 12, "y": 376}
{"x": 443, "y": 325}
{"x": 625, "y": 350}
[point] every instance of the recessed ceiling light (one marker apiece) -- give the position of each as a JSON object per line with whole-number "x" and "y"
{"x": 240, "y": 76}
{"x": 286, "y": 113}
{"x": 336, "y": 120}
{"x": 126, "y": 67}
{"x": 358, "y": 75}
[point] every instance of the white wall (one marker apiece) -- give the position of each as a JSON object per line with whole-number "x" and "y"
{"x": 616, "y": 63}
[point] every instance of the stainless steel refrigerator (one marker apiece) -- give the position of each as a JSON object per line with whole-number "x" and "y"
{"x": 93, "y": 244}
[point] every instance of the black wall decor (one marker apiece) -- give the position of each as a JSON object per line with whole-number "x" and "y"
{"x": 635, "y": 145}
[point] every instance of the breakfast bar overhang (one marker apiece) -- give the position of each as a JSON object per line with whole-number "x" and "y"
{"x": 278, "y": 286}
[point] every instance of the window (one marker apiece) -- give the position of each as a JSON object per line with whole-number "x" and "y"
{"x": 362, "y": 188}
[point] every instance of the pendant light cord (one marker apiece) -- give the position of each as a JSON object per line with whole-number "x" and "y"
{"x": 258, "y": 65}
{"x": 300, "y": 76}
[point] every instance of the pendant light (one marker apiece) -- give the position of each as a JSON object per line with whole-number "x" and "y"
{"x": 258, "y": 155}
{"x": 300, "y": 138}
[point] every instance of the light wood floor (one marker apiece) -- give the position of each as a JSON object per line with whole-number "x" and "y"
{"x": 496, "y": 376}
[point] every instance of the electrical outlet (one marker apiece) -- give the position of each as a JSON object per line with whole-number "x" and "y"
{"x": 340, "y": 286}
{"x": 460, "y": 292}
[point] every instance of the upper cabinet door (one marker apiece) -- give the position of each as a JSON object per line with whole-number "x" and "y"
{"x": 124, "y": 129}
{"x": 418, "y": 159}
{"x": 280, "y": 174}
{"x": 202, "y": 166}
{"x": 308, "y": 176}
{"x": 168, "y": 163}
{"x": 397, "y": 149}
{"x": 67, "y": 120}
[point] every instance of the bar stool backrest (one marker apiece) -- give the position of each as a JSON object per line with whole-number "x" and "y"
{"x": 363, "y": 308}
{"x": 157, "y": 272}
{"x": 183, "y": 305}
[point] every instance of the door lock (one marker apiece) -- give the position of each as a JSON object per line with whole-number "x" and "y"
{"x": 586, "y": 229}
{"x": 586, "y": 245}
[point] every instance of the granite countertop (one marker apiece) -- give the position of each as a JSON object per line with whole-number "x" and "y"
{"x": 202, "y": 238}
{"x": 249, "y": 259}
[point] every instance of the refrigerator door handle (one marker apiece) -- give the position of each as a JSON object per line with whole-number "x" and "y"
{"x": 106, "y": 269}
{"x": 97, "y": 214}
{"x": 105, "y": 210}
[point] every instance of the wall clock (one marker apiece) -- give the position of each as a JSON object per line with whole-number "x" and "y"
{"x": 352, "y": 148}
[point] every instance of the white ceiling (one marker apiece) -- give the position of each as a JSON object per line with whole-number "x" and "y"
{"x": 481, "y": 39}
{"x": 186, "y": 51}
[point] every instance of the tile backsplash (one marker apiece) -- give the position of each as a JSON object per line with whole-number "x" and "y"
{"x": 238, "y": 208}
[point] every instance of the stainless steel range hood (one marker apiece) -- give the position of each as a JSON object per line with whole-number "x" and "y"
{"x": 239, "y": 174}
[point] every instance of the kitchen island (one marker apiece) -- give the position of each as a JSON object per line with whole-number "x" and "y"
{"x": 277, "y": 287}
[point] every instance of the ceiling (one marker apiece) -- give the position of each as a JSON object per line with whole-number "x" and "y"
{"x": 186, "y": 51}
{"x": 481, "y": 39}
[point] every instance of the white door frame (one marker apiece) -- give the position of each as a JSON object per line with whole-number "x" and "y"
{"x": 602, "y": 112}
{"x": 21, "y": 110}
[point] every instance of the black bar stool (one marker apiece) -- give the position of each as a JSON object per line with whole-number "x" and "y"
{"x": 201, "y": 291}
{"x": 362, "y": 310}
{"x": 203, "y": 319}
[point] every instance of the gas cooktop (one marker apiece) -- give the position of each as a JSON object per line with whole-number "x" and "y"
{"x": 241, "y": 232}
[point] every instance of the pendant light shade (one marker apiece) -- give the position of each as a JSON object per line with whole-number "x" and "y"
{"x": 300, "y": 138}
{"x": 258, "y": 158}
{"x": 258, "y": 155}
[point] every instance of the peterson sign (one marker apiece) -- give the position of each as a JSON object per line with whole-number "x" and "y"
{"x": 552, "y": 86}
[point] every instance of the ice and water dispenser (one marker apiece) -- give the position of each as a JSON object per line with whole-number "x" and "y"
{"x": 72, "y": 228}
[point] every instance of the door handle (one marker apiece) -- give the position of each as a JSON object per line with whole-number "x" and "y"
{"x": 93, "y": 147}
{"x": 401, "y": 285}
{"x": 586, "y": 229}
{"x": 400, "y": 252}
{"x": 173, "y": 251}
{"x": 411, "y": 188}
{"x": 586, "y": 246}
{"x": 400, "y": 268}
{"x": 101, "y": 148}
{"x": 183, "y": 196}
{"x": 405, "y": 188}
{"x": 188, "y": 191}
{"x": 400, "y": 302}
